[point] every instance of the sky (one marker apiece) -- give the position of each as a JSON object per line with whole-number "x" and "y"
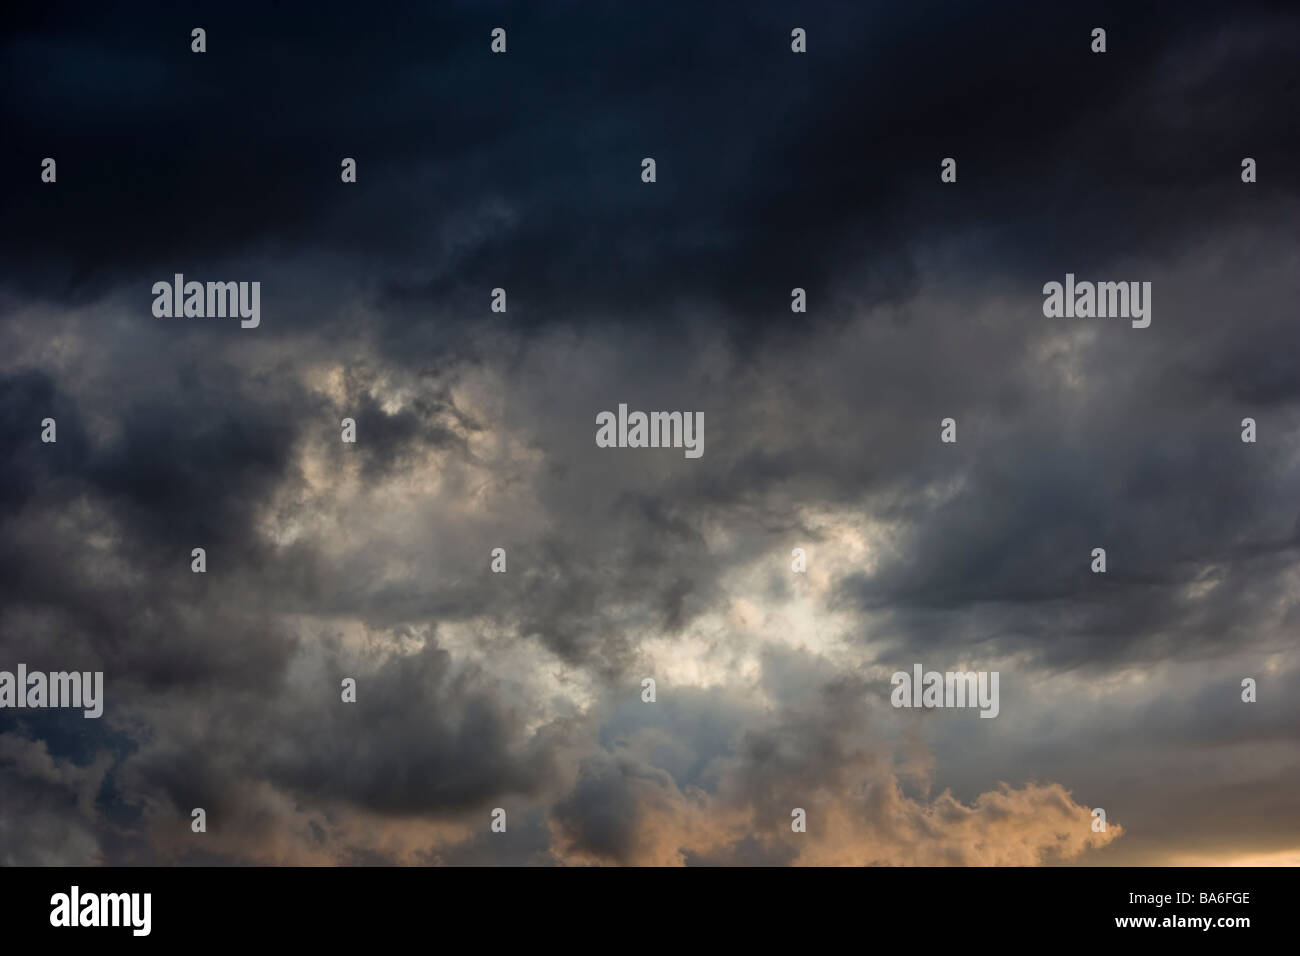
{"x": 476, "y": 429}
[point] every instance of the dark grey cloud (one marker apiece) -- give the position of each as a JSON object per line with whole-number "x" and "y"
{"x": 475, "y": 431}
{"x": 522, "y": 171}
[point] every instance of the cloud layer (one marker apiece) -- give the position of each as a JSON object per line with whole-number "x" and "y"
{"x": 475, "y": 429}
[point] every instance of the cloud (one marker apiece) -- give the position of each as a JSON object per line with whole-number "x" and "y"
{"x": 475, "y": 431}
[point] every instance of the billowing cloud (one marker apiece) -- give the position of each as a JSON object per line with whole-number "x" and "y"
{"x": 522, "y": 691}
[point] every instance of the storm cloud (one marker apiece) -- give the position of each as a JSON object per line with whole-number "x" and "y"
{"x": 522, "y": 691}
